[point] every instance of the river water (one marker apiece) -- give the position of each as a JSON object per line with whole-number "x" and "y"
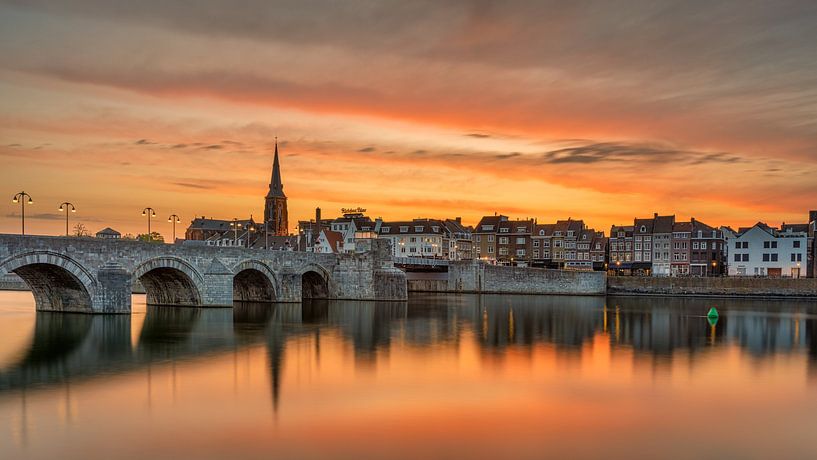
{"x": 493, "y": 377}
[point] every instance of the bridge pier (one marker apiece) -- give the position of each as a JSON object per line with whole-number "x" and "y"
{"x": 114, "y": 288}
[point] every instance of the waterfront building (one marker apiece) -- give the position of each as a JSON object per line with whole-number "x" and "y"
{"x": 513, "y": 242}
{"x": 599, "y": 251}
{"x": 541, "y": 242}
{"x": 415, "y": 238}
{"x": 458, "y": 243}
{"x": 681, "y": 235}
{"x": 108, "y": 233}
{"x": 485, "y": 237}
{"x": 761, "y": 250}
{"x": 642, "y": 246}
{"x": 662, "y": 244}
{"x": 350, "y": 224}
{"x": 706, "y": 250}
{"x": 585, "y": 257}
{"x": 621, "y": 249}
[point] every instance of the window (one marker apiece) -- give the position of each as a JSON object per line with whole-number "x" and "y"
{"x": 570, "y": 233}
{"x": 793, "y": 257}
{"x": 795, "y": 244}
{"x": 638, "y": 246}
{"x": 418, "y": 228}
{"x": 737, "y": 257}
{"x": 435, "y": 229}
{"x": 521, "y": 229}
{"x": 503, "y": 251}
{"x": 546, "y": 244}
{"x": 479, "y": 239}
{"x": 490, "y": 249}
{"x": 541, "y": 232}
{"x": 546, "y": 254}
{"x": 385, "y": 229}
{"x": 503, "y": 240}
{"x": 520, "y": 252}
{"x": 557, "y": 243}
{"x": 703, "y": 245}
{"x": 557, "y": 233}
{"x": 774, "y": 257}
{"x": 536, "y": 253}
{"x": 487, "y": 228}
{"x": 536, "y": 243}
{"x": 520, "y": 240}
{"x": 774, "y": 244}
{"x": 413, "y": 239}
{"x": 490, "y": 238}
{"x": 503, "y": 230}
{"x": 404, "y": 229}
{"x": 695, "y": 245}
{"x": 643, "y": 229}
{"x": 746, "y": 257}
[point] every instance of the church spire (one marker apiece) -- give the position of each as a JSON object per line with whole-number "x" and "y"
{"x": 276, "y": 187}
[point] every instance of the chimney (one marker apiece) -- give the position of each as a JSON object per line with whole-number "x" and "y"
{"x": 655, "y": 215}
{"x": 458, "y": 219}
{"x": 812, "y": 216}
{"x": 316, "y": 229}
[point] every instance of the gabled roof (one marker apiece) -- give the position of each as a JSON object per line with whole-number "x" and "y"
{"x": 334, "y": 239}
{"x": 492, "y": 221}
{"x": 697, "y": 225}
{"x": 646, "y": 224}
{"x": 514, "y": 225}
{"x": 544, "y": 230}
{"x": 108, "y": 231}
{"x": 455, "y": 226}
{"x": 663, "y": 224}
{"x": 682, "y": 227}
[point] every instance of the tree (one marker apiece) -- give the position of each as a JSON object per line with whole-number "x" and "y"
{"x": 128, "y": 236}
{"x": 154, "y": 237}
{"x": 80, "y": 230}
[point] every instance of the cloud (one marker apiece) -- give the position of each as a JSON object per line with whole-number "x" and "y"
{"x": 618, "y": 152}
{"x": 478, "y": 135}
{"x": 144, "y": 142}
{"x": 196, "y": 186}
{"x": 367, "y": 149}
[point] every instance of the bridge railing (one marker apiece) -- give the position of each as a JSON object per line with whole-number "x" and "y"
{"x": 420, "y": 261}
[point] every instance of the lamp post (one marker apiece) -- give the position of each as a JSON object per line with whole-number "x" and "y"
{"x": 249, "y": 229}
{"x": 236, "y": 225}
{"x": 175, "y": 220}
{"x": 64, "y": 206}
{"x": 150, "y": 213}
{"x": 714, "y": 266}
{"x": 21, "y": 197}
{"x": 618, "y": 268}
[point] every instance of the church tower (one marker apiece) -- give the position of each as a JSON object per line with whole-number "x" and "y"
{"x": 275, "y": 206}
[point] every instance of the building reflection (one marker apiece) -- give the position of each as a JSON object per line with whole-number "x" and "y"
{"x": 67, "y": 348}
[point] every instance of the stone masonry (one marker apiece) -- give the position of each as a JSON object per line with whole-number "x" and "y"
{"x": 97, "y": 276}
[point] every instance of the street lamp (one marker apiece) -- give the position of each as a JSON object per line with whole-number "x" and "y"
{"x": 175, "y": 220}
{"x": 618, "y": 268}
{"x": 150, "y": 213}
{"x": 64, "y": 206}
{"x": 250, "y": 229}
{"x": 21, "y": 198}
{"x": 714, "y": 266}
{"x": 236, "y": 225}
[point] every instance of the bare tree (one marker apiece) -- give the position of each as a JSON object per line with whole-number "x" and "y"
{"x": 80, "y": 230}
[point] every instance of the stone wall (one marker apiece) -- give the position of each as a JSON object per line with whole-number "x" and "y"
{"x": 732, "y": 287}
{"x": 476, "y": 277}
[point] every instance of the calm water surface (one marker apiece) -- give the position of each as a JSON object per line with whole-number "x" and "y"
{"x": 494, "y": 377}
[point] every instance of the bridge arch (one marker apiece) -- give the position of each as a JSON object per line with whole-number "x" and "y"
{"x": 170, "y": 281}
{"x": 316, "y": 282}
{"x": 255, "y": 281}
{"x": 58, "y": 282}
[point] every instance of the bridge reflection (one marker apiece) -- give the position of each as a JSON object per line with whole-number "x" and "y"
{"x": 71, "y": 347}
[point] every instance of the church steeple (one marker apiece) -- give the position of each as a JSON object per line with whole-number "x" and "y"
{"x": 275, "y": 206}
{"x": 276, "y": 187}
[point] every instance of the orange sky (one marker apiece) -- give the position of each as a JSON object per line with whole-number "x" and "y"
{"x": 408, "y": 109}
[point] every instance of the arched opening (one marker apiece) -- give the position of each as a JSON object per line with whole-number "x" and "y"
{"x": 251, "y": 285}
{"x": 55, "y": 288}
{"x": 170, "y": 286}
{"x": 314, "y": 286}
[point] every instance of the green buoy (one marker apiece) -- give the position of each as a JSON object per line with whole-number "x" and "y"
{"x": 713, "y": 313}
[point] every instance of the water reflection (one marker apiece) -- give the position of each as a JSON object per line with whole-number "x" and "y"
{"x": 464, "y": 374}
{"x": 70, "y": 346}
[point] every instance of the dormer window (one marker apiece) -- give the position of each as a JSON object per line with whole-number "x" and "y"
{"x": 541, "y": 233}
{"x": 520, "y": 229}
{"x": 435, "y": 229}
{"x": 557, "y": 234}
{"x": 487, "y": 228}
{"x": 503, "y": 230}
{"x": 584, "y": 237}
{"x": 404, "y": 229}
{"x": 570, "y": 233}
{"x": 418, "y": 228}
{"x": 385, "y": 229}
{"x": 643, "y": 229}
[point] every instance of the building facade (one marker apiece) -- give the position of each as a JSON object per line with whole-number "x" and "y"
{"x": 765, "y": 251}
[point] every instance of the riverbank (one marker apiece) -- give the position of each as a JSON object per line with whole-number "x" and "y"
{"x": 805, "y": 288}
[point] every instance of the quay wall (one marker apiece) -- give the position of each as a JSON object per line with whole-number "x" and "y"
{"x": 476, "y": 277}
{"x": 716, "y": 286}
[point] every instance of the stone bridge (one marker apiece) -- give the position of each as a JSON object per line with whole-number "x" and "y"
{"x": 92, "y": 275}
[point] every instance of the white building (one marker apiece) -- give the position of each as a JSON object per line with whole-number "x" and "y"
{"x": 329, "y": 242}
{"x": 765, "y": 251}
{"x": 416, "y": 238}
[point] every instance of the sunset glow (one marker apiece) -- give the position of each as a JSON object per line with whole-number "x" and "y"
{"x": 409, "y": 109}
